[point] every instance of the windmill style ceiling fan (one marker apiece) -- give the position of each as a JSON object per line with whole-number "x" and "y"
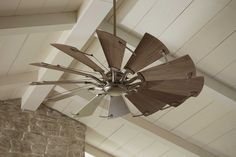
{"x": 150, "y": 90}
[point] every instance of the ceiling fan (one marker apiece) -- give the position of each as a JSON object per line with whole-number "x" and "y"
{"x": 150, "y": 90}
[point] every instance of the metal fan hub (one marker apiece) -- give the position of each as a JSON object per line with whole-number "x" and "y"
{"x": 114, "y": 89}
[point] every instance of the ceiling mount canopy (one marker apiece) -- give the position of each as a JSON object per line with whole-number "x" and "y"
{"x": 150, "y": 90}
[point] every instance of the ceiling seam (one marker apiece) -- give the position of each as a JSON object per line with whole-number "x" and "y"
{"x": 217, "y": 119}
{"x": 107, "y": 137}
{"x": 163, "y": 114}
{"x": 17, "y": 7}
{"x": 134, "y": 27}
{"x": 67, "y": 4}
{"x": 176, "y": 18}
{"x": 19, "y": 51}
{"x": 145, "y": 148}
{"x": 221, "y": 136}
{"x": 215, "y": 47}
{"x": 211, "y": 19}
{"x": 215, "y": 76}
{"x": 165, "y": 152}
{"x": 120, "y": 147}
{"x": 191, "y": 116}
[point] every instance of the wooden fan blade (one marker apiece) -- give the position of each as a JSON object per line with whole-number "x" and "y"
{"x": 113, "y": 48}
{"x": 117, "y": 107}
{"x": 144, "y": 103}
{"x": 91, "y": 106}
{"x": 184, "y": 87}
{"x": 167, "y": 98}
{"x": 78, "y": 55}
{"x": 179, "y": 68}
{"x": 148, "y": 51}
{"x": 62, "y": 82}
{"x": 61, "y": 68}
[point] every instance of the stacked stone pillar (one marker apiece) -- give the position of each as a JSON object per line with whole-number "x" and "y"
{"x": 43, "y": 133}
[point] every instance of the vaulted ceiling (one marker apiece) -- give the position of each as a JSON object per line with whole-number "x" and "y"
{"x": 204, "y": 29}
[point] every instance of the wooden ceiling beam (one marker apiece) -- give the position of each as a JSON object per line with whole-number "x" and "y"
{"x": 90, "y": 15}
{"x": 26, "y": 24}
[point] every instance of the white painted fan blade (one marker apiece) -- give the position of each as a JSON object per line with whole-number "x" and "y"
{"x": 91, "y": 106}
{"x": 117, "y": 107}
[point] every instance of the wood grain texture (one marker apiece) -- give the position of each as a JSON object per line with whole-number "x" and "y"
{"x": 78, "y": 55}
{"x": 146, "y": 104}
{"x": 167, "y": 98}
{"x": 179, "y": 68}
{"x": 184, "y": 87}
{"x": 113, "y": 48}
{"x": 148, "y": 51}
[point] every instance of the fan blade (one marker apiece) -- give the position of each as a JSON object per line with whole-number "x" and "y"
{"x": 66, "y": 95}
{"x": 61, "y": 68}
{"x": 167, "y": 98}
{"x": 144, "y": 103}
{"x": 91, "y": 106}
{"x": 78, "y": 55}
{"x": 148, "y": 51}
{"x": 185, "y": 87}
{"x": 113, "y": 48}
{"x": 62, "y": 82}
{"x": 179, "y": 68}
{"x": 117, "y": 107}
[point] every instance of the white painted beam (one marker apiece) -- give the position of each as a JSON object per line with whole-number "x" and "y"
{"x": 169, "y": 138}
{"x": 95, "y": 151}
{"x": 25, "y": 24}
{"x": 90, "y": 15}
{"x": 220, "y": 91}
{"x": 18, "y": 79}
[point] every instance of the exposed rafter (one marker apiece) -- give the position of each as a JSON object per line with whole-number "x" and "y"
{"x": 25, "y": 24}
{"x": 81, "y": 32}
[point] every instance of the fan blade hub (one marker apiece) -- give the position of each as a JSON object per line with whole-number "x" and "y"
{"x": 115, "y": 89}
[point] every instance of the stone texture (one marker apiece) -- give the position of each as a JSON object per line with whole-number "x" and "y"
{"x": 57, "y": 150}
{"x": 20, "y": 146}
{"x": 38, "y": 148}
{"x": 43, "y": 133}
{"x": 35, "y": 138}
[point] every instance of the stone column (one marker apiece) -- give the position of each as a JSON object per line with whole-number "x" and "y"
{"x": 43, "y": 133}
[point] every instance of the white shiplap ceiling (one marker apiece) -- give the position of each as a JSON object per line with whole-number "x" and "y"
{"x": 204, "y": 29}
{"x": 30, "y": 7}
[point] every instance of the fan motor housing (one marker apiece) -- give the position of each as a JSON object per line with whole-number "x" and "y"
{"x": 115, "y": 89}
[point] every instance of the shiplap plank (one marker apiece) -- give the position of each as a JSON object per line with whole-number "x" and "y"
{"x": 201, "y": 120}
{"x": 154, "y": 150}
{"x": 190, "y": 22}
{"x": 212, "y": 34}
{"x": 216, "y": 129}
{"x": 225, "y": 145}
{"x": 8, "y": 8}
{"x": 138, "y": 143}
{"x": 161, "y": 16}
{"x": 10, "y": 48}
{"x": 220, "y": 57}
{"x": 132, "y": 11}
{"x": 119, "y": 138}
{"x": 29, "y": 7}
{"x": 227, "y": 75}
{"x": 53, "y": 6}
{"x": 181, "y": 113}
